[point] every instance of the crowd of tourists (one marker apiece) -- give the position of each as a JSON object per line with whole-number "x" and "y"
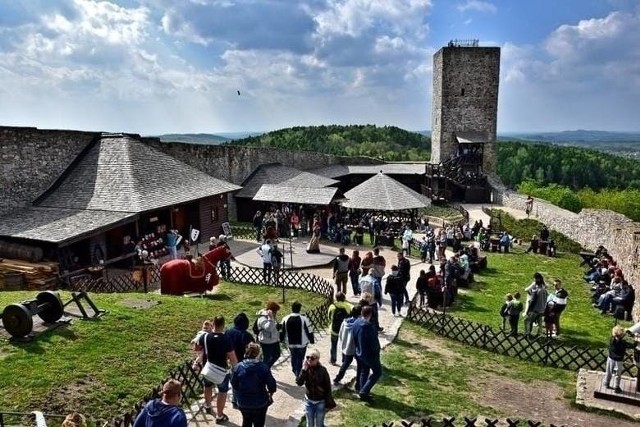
{"x": 612, "y": 293}
{"x": 541, "y": 310}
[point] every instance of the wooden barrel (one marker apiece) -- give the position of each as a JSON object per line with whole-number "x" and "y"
{"x": 19, "y": 251}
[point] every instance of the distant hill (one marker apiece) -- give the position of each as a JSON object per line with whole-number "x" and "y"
{"x": 620, "y": 143}
{"x": 385, "y": 142}
{"x": 205, "y": 138}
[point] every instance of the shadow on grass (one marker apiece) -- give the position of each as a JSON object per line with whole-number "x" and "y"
{"x": 465, "y": 303}
{"x": 401, "y": 409}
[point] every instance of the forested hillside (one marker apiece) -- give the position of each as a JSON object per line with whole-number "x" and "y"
{"x": 572, "y": 167}
{"x": 389, "y": 142}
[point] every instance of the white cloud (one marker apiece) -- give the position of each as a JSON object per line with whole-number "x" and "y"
{"x": 478, "y": 6}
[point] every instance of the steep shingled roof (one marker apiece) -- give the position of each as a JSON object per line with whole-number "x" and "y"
{"x": 382, "y": 193}
{"x": 122, "y": 174}
{"x": 276, "y": 173}
{"x": 300, "y": 195}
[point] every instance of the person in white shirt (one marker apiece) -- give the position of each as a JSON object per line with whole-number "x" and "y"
{"x": 265, "y": 252}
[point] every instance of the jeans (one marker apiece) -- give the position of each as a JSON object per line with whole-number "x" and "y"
{"x": 368, "y": 381}
{"x": 253, "y": 417}
{"x": 355, "y": 285}
{"x": 377, "y": 290}
{"x": 396, "y": 302}
{"x": 297, "y": 358}
{"x": 333, "y": 352}
{"x": 266, "y": 272}
{"x": 270, "y": 353}
{"x": 532, "y": 318}
{"x": 611, "y": 364}
{"x": 346, "y": 362}
{"x": 314, "y": 411}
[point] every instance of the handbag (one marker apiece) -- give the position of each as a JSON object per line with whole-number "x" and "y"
{"x": 213, "y": 373}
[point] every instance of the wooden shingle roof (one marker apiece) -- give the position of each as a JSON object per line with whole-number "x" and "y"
{"x": 298, "y": 195}
{"x": 276, "y": 173}
{"x": 382, "y": 193}
{"x": 59, "y": 226}
{"x": 122, "y": 174}
{"x": 336, "y": 171}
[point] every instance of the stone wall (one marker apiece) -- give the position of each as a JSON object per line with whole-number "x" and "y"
{"x": 465, "y": 99}
{"x": 235, "y": 163}
{"x": 590, "y": 227}
{"x": 32, "y": 159}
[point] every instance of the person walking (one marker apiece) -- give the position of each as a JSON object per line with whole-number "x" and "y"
{"x": 354, "y": 272}
{"x": 218, "y": 350}
{"x": 317, "y": 383}
{"x": 253, "y": 387}
{"x": 395, "y": 288}
{"x": 240, "y": 337}
{"x": 268, "y": 334}
{"x": 367, "y": 346}
{"x": 164, "y": 412}
{"x": 341, "y": 271}
{"x": 265, "y": 252}
{"x": 404, "y": 273}
{"x": 298, "y": 333}
{"x": 347, "y": 345}
{"x": 338, "y": 311}
{"x": 377, "y": 271}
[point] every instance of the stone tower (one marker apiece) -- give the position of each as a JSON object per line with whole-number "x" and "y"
{"x": 465, "y": 100}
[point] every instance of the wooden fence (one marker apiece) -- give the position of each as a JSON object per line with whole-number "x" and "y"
{"x": 191, "y": 382}
{"x": 464, "y": 422}
{"x": 546, "y": 351}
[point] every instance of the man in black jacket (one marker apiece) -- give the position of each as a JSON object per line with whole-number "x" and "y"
{"x": 404, "y": 273}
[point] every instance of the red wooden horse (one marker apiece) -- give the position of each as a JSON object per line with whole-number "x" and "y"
{"x": 180, "y": 276}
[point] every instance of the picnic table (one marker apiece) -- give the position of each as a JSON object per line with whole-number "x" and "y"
{"x": 586, "y": 258}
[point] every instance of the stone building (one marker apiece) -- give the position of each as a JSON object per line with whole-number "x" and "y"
{"x": 464, "y": 121}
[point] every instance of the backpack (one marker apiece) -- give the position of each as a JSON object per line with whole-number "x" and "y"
{"x": 339, "y": 314}
{"x": 255, "y": 327}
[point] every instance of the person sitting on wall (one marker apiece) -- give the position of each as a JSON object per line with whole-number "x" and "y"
{"x": 505, "y": 242}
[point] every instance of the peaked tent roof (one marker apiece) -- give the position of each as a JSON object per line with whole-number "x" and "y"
{"x": 276, "y": 173}
{"x": 122, "y": 174}
{"x": 303, "y": 196}
{"x": 382, "y": 193}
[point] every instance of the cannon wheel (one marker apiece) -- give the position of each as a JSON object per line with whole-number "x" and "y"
{"x": 50, "y": 306}
{"x": 17, "y": 320}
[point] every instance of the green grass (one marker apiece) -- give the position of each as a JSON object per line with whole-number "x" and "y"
{"x": 507, "y": 273}
{"x": 438, "y": 378}
{"x": 104, "y": 366}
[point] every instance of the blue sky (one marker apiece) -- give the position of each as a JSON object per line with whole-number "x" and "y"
{"x": 159, "y": 66}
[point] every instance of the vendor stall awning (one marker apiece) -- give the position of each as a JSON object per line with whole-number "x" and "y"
{"x": 61, "y": 226}
{"x": 298, "y": 195}
{"x": 383, "y": 193}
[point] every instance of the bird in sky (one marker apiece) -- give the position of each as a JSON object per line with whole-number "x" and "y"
{"x": 238, "y": 92}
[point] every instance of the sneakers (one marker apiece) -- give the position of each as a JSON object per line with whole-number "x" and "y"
{"x": 222, "y": 419}
{"x": 617, "y": 390}
{"x": 208, "y": 409}
{"x": 365, "y": 398}
{"x": 336, "y": 382}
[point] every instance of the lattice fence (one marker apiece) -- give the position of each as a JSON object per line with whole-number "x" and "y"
{"x": 464, "y": 422}
{"x": 191, "y": 383}
{"x": 123, "y": 282}
{"x": 542, "y": 350}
